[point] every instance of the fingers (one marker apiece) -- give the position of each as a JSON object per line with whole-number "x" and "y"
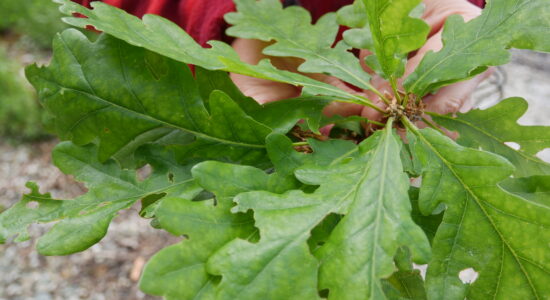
{"x": 262, "y": 90}
{"x": 362, "y": 56}
{"x": 453, "y": 98}
{"x": 437, "y": 11}
{"x": 434, "y": 43}
{"x": 339, "y": 108}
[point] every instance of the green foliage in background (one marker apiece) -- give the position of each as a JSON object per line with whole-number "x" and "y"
{"x": 26, "y": 28}
{"x": 39, "y": 20}
{"x": 20, "y": 113}
{"x": 270, "y": 210}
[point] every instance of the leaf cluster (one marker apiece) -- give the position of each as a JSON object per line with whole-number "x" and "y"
{"x": 266, "y": 207}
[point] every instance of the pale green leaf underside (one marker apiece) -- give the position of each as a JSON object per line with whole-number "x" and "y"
{"x": 168, "y": 39}
{"x": 470, "y": 47}
{"x": 503, "y": 237}
{"x": 84, "y": 220}
{"x": 266, "y": 20}
{"x": 378, "y": 212}
{"x": 490, "y": 129}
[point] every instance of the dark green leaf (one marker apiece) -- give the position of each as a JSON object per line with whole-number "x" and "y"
{"x": 136, "y": 98}
{"x": 168, "y": 39}
{"x": 503, "y": 237}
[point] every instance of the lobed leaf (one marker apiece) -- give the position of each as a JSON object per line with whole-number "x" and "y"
{"x": 469, "y": 48}
{"x": 143, "y": 98}
{"x": 406, "y": 283}
{"x": 372, "y": 203}
{"x": 208, "y": 225}
{"x": 492, "y": 128}
{"x": 534, "y": 188}
{"x": 168, "y": 39}
{"x": 480, "y": 225}
{"x": 178, "y": 271}
{"x": 266, "y": 20}
{"x": 394, "y": 33}
{"x": 84, "y": 220}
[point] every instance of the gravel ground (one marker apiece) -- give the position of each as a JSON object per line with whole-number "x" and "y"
{"x": 110, "y": 269}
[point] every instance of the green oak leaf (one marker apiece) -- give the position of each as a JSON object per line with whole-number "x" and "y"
{"x": 142, "y": 93}
{"x": 355, "y": 16}
{"x": 84, "y": 220}
{"x": 280, "y": 115}
{"x": 286, "y": 159}
{"x": 161, "y": 36}
{"x": 210, "y": 81}
{"x": 394, "y": 33}
{"x": 534, "y": 188}
{"x": 283, "y": 155}
{"x": 179, "y": 271}
{"x": 373, "y": 204}
{"x": 429, "y": 223}
{"x": 501, "y": 236}
{"x": 406, "y": 283}
{"x": 469, "y": 48}
{"x": 377, "y": 223}
{"x": 266, "y": 20}
{"x": 490, "y": 129}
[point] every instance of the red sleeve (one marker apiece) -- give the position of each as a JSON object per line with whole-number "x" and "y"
{"x": 203, "y": 19}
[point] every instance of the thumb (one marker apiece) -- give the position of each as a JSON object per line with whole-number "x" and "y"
{"x": 455, "y": 97}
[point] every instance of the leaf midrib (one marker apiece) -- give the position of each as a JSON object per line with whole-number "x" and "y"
{"x": 314, "y": 53}
{"x": 521, "y": 153}
{"x": 460, "y": 50}
{"x": 482, "y": 208}
{"x": 299, "y": 237}
{"x": 151, "y": 118}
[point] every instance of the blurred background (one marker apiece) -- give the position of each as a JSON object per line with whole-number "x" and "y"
{"x": 111, "y": 269}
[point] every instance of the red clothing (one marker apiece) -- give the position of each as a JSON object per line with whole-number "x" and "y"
{"x": 203, "y": 19}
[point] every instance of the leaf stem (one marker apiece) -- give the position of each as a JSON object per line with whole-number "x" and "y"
{"x": 367, "y": 102}
{"x": 393, "y": 83}
{"x": 389, "y": 124}
{"x": 433, "y": 114}
{"x": 414, "y": 129}
{"x": 405, "y": 121}
{"x": 375, "y": 122}
{"x": 297, "y": 144}
{"x": 433, "y": 125}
